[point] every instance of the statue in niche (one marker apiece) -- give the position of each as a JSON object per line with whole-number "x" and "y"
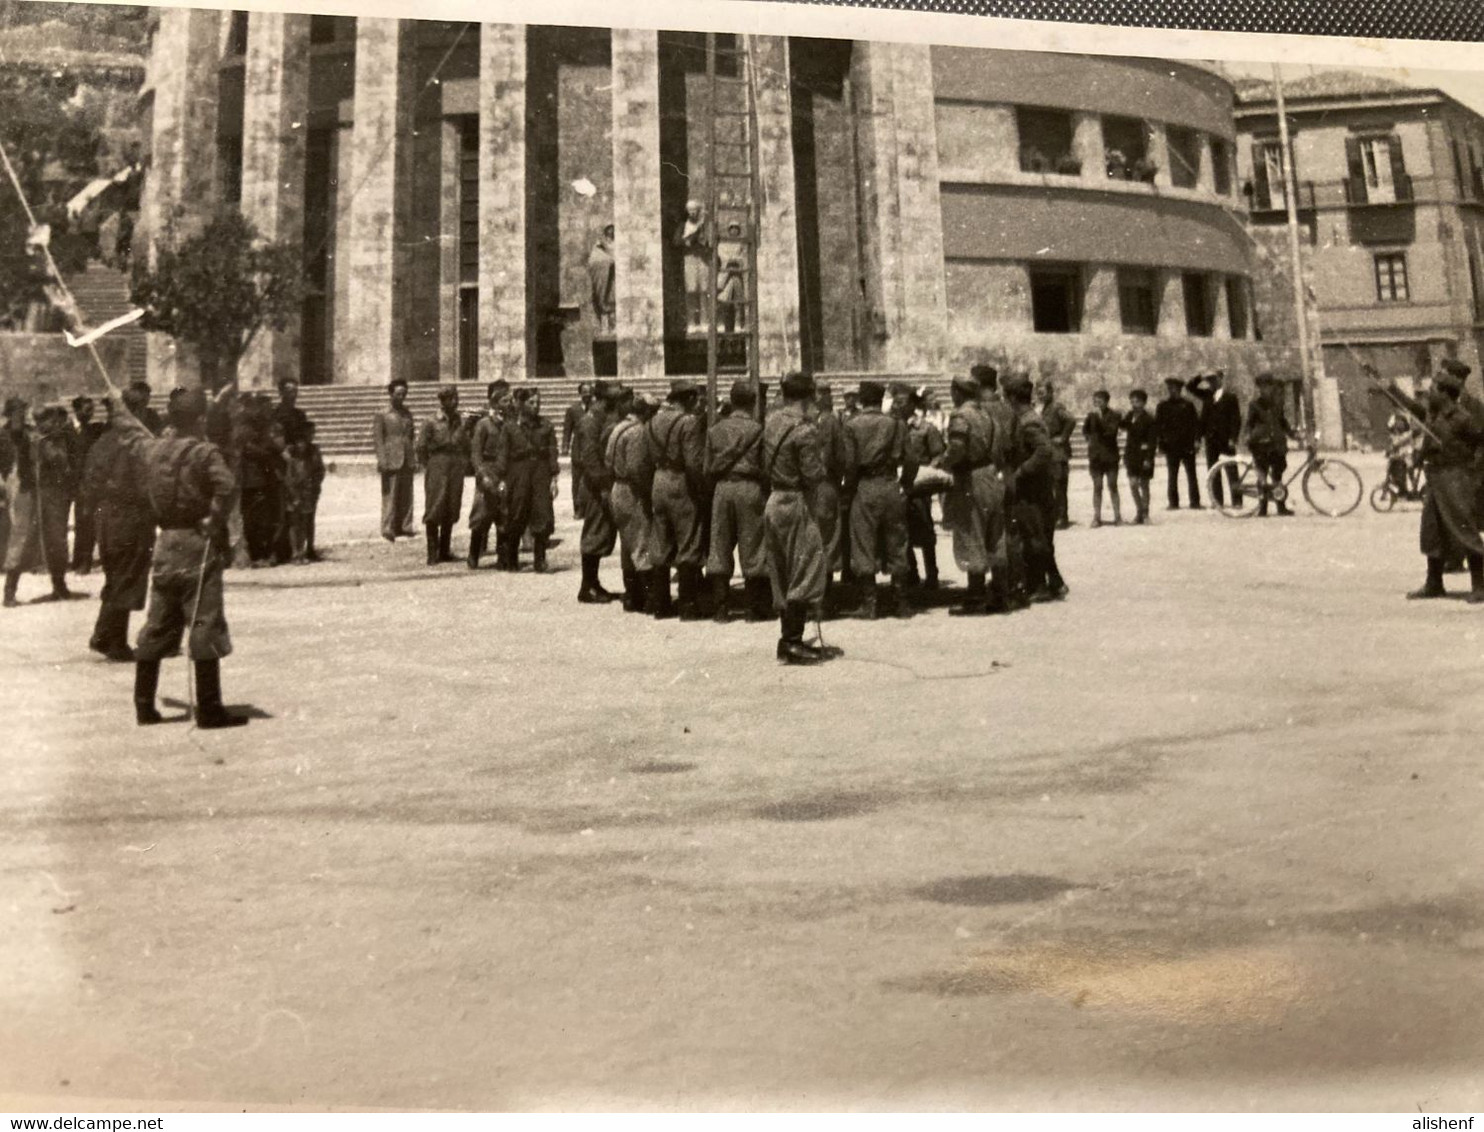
{"x": 601, "y": 274}
{"x": 694, "y": 241}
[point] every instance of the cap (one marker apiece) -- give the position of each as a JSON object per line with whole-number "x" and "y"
{"x": 968, "y": 386}
{"x": 1017, "y": 385}
{"x": 497, "y": 387}
{"x": 984, "y": 374}
{"x": 741, "y": 394}
{"x": 797, "y": 385}
{"x": 1457, "y": 368}
{"x": 683, "y": 387}
{"x": 645, "y": 401}
{"x": 901, "y": 391}
{"x": 189, "y": 403}
{"x": 1176, "y": 381}
{"x": 872, "y": 391}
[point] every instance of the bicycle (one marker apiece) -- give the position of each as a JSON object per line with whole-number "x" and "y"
{"x": 1331, "y": 486}
{"x": 1386, "y": 494}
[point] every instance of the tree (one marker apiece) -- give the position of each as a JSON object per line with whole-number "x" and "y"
{"x": 217, "y": 290}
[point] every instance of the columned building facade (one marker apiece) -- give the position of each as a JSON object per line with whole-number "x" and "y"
{"x": 920, "y": 208}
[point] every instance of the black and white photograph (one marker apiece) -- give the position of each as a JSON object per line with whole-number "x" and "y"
{"x": 737, "y": 557}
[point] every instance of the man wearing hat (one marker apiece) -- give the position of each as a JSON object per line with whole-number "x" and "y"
{"x": 627, "y": 456}
{"x": 1221, "y": 425}
{"x": 599, "y": 534}
{"x": 84, "y": 435}
{"x": 38, "y": 512}
{"x": 189, "y": 487}
{"x": 677, "y": 447}
{"x": 443, "y": 452}
{"x": 974, "y": 508}
{"x": 527, "y": 466}
{"x": 393, "y": 432}
{"x": 824, "y": 496}
{"x": 1177, "y": 431}
{"x": 1451, "y": 443}
{"x": 875, "y": 449}
{"x": 114, "y": 489}
{"x": 1268, "y": 432}
{"x": 924, "y": 445}
{"x": 796, "y": 562}
{"x": 489, "y": 506}
{"x": 1031, "y": 465}
{"x": 734, "y": 467}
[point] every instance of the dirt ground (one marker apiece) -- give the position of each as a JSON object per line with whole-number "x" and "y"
{"x": 1206, "y": 835}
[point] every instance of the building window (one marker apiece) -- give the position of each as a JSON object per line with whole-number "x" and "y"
{"x": 1391, "y": 278}
{"x": 1126, "y": 149}
{"x": 237, "y": 34}
{"x": 1476, "y": 175}
{"x": 1478, "y": 291}
{"x": 1199, "y": 309}
{"x": 1236, "y": 305}
{"x": 469, "y": 200}
{"x": 1273, "y": 175}
{"x": 1056, "y": 298}
{"x": 1254, "y": 311}
{"x": 468, "y": 333}
{"x": 331, "y": 29}
{"x": 1138, "y": 299}
{"x": 1185, "y": 157}
{"x": 1046, "y": 141}
{"x": 1221, "y": 167}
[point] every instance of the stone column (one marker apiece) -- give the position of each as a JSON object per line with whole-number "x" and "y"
{"x": 903, "y": 241}
{"x": 778, "y": 239}
{"x": 1205, "y": 180}
{"x": 1221, "y": 322}
{"x": 338, "y": 269}
{"x": 638, "y": 251}
{"x": 1100, "y": 311}
{"x": 180, "y": 190}
{"x": 1087, "y": 144}
{"x": 506, "y": 330}
{"x": 450, "y": 270}
{"x": 1159, "y": 153}
{"x": 1171, "y": 304}
{"x": 275, "y": 126}
{"x": 380, "y": 143}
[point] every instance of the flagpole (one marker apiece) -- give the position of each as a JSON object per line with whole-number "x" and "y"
{"x": 1290, "y": 194}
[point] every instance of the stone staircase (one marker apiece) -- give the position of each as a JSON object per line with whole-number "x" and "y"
{"x": 102, "y": 293}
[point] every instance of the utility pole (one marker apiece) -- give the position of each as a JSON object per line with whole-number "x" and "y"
{"x": 1290, "y": 194}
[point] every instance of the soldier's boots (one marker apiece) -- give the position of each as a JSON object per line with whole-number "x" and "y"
{"x": 865, "y": 609}
{"x": 538, "y": 553}
{"x": 507, "y": 553}
{"x": 721, "y": 592}
{"x": 690, "y": 584}
{"x": 759, "y": 599}
{"x": 930, "y": 567}
{"x": 976, "y": 599}
{"x": 1476, "y": 580}
{"x": 211, "y": 714}
{"x": 660, "y": 606}
{"x": 635, "y": 590}
{"x": 12, "y": 583}
{"x": 791, "y": 646}
{"x": 901, "y": 593}
{"x": 445, "y": 544}
{"x": 146, "y": 684}
{"x": 111, "y": 634}
{"x": 592, "y": 591}
{"x": 1433, "y": 587}
{"x": 478, "y": 541}
{"x": 432, "y": 531}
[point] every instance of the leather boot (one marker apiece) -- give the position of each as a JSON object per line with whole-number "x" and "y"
{"x": 591, "y": 592}
{"x": 111, "y": 634}
{"x": 477, "y": 540}
{"x": 631, "y": 595}
{"x": 866, "y": 610}
{"x": 146, "y": 684}
{"x": 604, "y": 595}
{"x": 759, "y": 600}
{"x": 211, "y": 714}
{"x": 1476, "y": 579}
{"x": 538, "y": 553}
{"x": 60, "y": 592}
{"x": 791, "y": 647}
{"x": 901, "y": 598}
{"x": 640, "y": 595}
{"x": 445, "y": 542}
{"x": 660, "y": 606}
{"x": 1433, "y": 587}
{"x": 720, "y": 592}
{"x": 975, "y": 603}
{"x": 12, "y": 582}
{"x": 512, "y": 553}
{"x": 930, "y": 567}
{"x": 689, "y": 582}
{"x": 432, "y": 531}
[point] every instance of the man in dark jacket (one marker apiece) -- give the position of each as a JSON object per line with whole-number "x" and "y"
{"x": 1031, "y": 465}
{"x": 84, "y": 435}
{"x": 113, "y": 490}
{"x": 443, "y": 453}
{"x": 1177, "y": 431}
{"x": 593, "y": 479}
{"x": 527, "y": 466}
{"x": 677, "y": 443}
{"x": 1267, "y": 439}
{"x": 488, "y": 507}
{"x": 1221, "y": 425}
{"x": 734, "y": 468}
{"x": 875, "y": 450}
{"x": 1101, "y": 430}
{"x": 1138, "y": 452}
{"x": 1059, "y": 428}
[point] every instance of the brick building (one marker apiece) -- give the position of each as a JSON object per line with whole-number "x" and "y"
{"x": 1391, "y": 199}
{"x": 921, "y": 208}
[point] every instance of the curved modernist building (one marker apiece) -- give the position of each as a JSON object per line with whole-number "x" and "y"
{"x": 921, "y": 208}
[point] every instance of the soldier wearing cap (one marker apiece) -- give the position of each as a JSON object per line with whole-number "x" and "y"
{"x": 796, "y": 562}
{"x": 527, "y": 466}
{"x": 1450, "y": 448}
{"x": 629, "y": 462}
{"x": 83, "y": 436}
{"x": 488, "y": 509}
{"x": 974, "y": 508}
{"x": 113, "y": 487}
{"x": 1031, "y": 465}
{"x": 38, "y": 512}
{"x": 443, "y": 452}
{"x": 599, "y": 534}
{"x": 875, "y": 449}
{"x": 677, "y": 446}
{"x": 1059, "y": 428}
{"x": 824, "y": 497}
{"x": 190, "y": 489}
{"x": 734, "y": 467}
{"x": 1268, "y": 433}
{"x": 924, "y": 445}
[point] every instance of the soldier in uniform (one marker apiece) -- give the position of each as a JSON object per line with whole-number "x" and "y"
{"x": 1008, "y": 557}
{"x": 527, "y": 466}
{"x": 1268, "y": 431}
{"x": 189, "y": 487}
{"x": 83, "y": 437}
{"x": 974, "y": 509}
{"x": 443, "y": 452}
{"x": 1450, "y": 448}
{"x": 1059, "y": 428}
{"x": 796, "y": 561}
{"x": 734, "y": 467}
{"x": 824, "y": 501}
{"x": 38, "y": 512}
{"x": 875, "y": 449}
{"x": 488, "y": 508}
{"x": 1031, "y": 477}
{"x": 113, "y": 491}
{"x": 599, "y": 534}
{"x": 392, "y": 432}
{"x": 924, "y": 445}
{"x": 677, "y": 446}
{"x": 629, "y": 461}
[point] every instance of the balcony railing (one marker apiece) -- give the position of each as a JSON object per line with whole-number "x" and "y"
{"x": 1358, "y": 192}
{"x": 1269, "y": 198}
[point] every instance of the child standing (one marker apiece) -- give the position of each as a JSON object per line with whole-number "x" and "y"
{"x": 1101, "y": 430}
{"x": 304, "y": 472}
{"x": 1138, "y": 452}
